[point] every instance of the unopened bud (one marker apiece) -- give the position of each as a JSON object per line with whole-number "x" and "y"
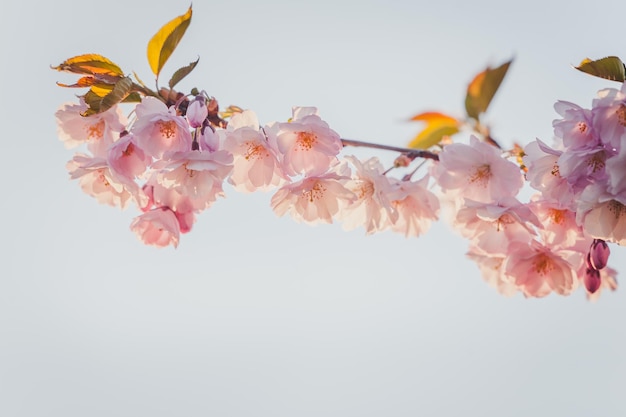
{"x": 402, "y": 161}
{"x": 197, "y": 112}
{"x": 598, "y": 254}
{"x": 592, "y": 280}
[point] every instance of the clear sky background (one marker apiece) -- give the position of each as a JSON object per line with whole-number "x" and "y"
{"x": 255, "y": 315}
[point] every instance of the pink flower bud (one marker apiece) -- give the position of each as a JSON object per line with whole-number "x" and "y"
{"x": 592, "y": 280}
{"x": 598, "y": 254}
{"x": 197, "y": 112}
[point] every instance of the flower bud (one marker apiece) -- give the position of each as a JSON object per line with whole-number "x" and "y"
{"x": 197, "y": 112}
{"x": 592, "y": 280}
{"x": 598, "y": 254}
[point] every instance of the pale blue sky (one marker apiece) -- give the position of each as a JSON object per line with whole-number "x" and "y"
{"x": 255, "y": 315}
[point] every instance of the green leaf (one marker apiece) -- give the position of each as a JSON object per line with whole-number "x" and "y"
{"x": 165, "y": 41}
{"x": 118, "y": 93}
{"x": 610, "y": 68}
{"x": 482, "y": 88}
{"x": 90, "y": 64}
{"x": 93, "y": 103}
{"x": 133, "y": 97}
{"x": 182, "y": 73}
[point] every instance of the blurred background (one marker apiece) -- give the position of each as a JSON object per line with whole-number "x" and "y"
{"x": 255, "y": 315}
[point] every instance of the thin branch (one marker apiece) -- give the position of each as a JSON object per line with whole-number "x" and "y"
{"x": 411, "y": 153}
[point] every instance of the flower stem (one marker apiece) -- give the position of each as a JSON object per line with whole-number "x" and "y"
{"x": 411, "y": 153}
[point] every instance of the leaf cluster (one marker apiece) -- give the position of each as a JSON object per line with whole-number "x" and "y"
{"x": 109, "y": 85}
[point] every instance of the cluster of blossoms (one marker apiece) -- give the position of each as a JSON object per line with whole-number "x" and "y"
{"x": 172, "y": 160}
{"x": 558, "y": 239}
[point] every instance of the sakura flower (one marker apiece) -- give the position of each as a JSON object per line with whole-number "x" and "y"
{"x": 609, "y": 117}
{"x": 602, "y": 215}
{"x": 477, "y": 171}
{"x": 493, "y": 227}
{"x": 256, "y": 165}
{"x": 584, "y": 166}
{"x": 416, "y": 206}
{"x": 538, "y": 270}
{"x": 372, "y": 208}
{"x": 158, "y": 227}
{"x": 616, "y": 169}
{"x": 558, "y": 225}
{"x": 307, "y": 144}
{"x": 159, "y": 130}
{"x": 183, "y": 206}
{"x": 576, "y": 127}
{"x": 491, "y": 268}
{"x": 98, "y": 131}
{"x": 127, "y": 159}
{"x": 97, "y": 180}
{"x": 544, "y": 173}
{"x": 196, "y": 174}
{"x": 314, "y": 199}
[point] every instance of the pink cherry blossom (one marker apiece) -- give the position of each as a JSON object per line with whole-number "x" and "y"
{"x": 576, "y": 127}
{"x": 159, "y": 130}
{"x": 477, "y": 171}
{"x": 616, "y": 170}
{"x": 307, "y": 144}
{"x": 127, "y": 159}
{"x": 491, "y": 268}
{"x": 538, "y": 270}
{"x": 582, "y": 167}
{"x": 198, "y": 175}
{"x": 98, "y": 131}
{"x": 256, "y": 165}
{"x": 544, "y": 173}
{"x": 97, "y": 180}
{"x": 372, "y": 208}
{"x": 182, "y": 205}
{"x": 558, "y": 225}
{"x": 602, "y": 215}
{"x": 609, "y": 117}
{"x": 416, "y": 206}
{"x": 314, "y": 199}
{"x": 493, "y": 227}
{"x": 158, "y": 227}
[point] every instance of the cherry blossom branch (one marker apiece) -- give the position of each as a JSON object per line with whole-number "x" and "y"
{"x": 411, "y": 153}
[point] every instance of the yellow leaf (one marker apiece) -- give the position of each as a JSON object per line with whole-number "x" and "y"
{"x": 434, "y": 117}
{"x": 165, "y": 41}
{"x": 438, "y": 125}
{"x": 90, "y": 64}
{"x": 102, "y": 90}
